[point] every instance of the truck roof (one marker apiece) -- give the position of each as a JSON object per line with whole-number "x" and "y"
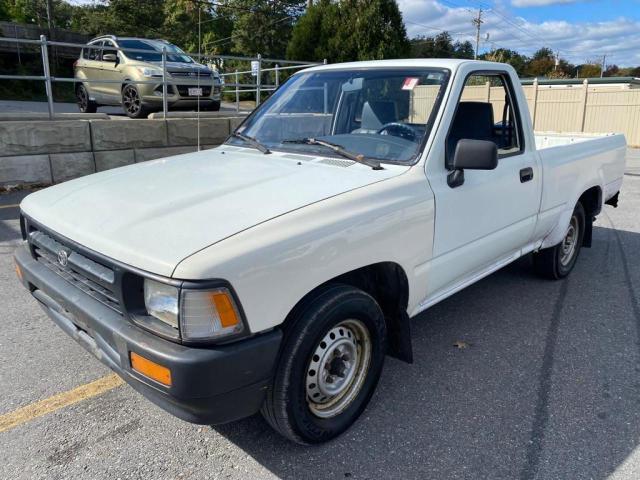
{"x": 449, "y": 63}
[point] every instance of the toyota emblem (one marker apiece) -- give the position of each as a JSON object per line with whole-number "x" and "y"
{"x": 63, "y": 258}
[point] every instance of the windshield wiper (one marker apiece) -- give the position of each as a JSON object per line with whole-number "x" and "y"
{"x": 252, "y": 141}
{"x": 340, "y": 150}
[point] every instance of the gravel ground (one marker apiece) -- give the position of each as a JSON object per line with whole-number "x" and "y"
{"x": 548, "y": 387}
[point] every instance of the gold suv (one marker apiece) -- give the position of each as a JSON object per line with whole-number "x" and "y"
{"x": 111, "y": 77}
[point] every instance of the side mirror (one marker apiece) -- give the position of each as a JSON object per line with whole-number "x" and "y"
{"x": 109, "y": 57}
{"x": 473, "y": 155}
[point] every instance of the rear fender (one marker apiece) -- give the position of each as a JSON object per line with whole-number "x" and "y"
{"x": 559, "y": 231}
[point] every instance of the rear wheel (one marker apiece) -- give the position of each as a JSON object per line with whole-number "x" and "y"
{"x": 84, "y": 103}
{"x": 132, "y": 103}
{"x": 557, "y": 262}
{"x": 329, "y": 366}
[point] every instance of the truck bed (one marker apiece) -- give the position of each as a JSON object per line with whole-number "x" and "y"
{"x": 601, "y": 158}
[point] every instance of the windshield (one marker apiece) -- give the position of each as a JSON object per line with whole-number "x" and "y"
{"x": 382, "y": 114}
{"x": 174, "y": 54}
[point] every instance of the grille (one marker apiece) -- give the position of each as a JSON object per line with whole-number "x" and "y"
{"x": 91, "y": 277}
{"x": 183, "y": 90}
{"x": 190, "y": 74}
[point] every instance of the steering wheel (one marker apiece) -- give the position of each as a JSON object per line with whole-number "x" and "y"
{"x": 397, "y": 129}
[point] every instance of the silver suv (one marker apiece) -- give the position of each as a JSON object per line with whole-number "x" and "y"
{"x": 113, "y": 74}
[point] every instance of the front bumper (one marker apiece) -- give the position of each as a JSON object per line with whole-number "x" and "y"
{"x": 177, "y": 93}
{"x": 211, "y": 385}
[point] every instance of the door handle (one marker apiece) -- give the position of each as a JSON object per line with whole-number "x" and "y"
{"x": 526, "y": 174}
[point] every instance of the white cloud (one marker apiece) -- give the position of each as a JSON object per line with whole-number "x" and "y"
{"x": 577, "y": 42}
{"x": 538, "y": 3}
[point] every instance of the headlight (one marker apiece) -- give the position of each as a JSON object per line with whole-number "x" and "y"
{"x": 161, "y": 301}
{"x": 150, "y": 72}
{"x": 208, "y": 314}
{"x": 198, "y": 315}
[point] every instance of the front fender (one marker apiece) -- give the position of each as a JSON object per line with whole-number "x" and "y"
{"x": 272, "y": 266}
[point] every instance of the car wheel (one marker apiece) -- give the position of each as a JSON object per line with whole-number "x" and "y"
{"x": 84, "y": 103}
{"x": 210, "y": 107}
{"x": 557, "y": 262}
{"x": 331, "y": 360}
{"x": 132, "y": 103}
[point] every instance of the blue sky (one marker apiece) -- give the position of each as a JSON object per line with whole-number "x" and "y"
{"x": 581, "y": 30}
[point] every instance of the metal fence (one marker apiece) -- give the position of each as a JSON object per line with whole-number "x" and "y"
{"x": 257, "y": 72}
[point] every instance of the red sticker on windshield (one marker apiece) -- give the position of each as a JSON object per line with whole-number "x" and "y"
{"x": 410, "y": 83}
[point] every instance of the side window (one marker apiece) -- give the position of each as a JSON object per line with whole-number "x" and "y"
{"x": 93, "y": 53}
{"x": 486, "y": 111}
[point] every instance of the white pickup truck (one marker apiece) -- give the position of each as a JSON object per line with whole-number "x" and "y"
{"x": 276, "y": 271}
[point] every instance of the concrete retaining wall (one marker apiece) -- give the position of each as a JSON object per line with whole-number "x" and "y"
{"x": 46, "y": 152}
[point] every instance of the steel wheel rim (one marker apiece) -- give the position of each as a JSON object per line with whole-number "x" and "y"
{"x": 338, "y": 368}
{"x": 131, "y": 100}
{"x": 82, "y": 99}
{"x": 569, "y": 244}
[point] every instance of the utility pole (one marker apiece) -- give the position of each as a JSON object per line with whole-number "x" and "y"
{"x": 50, "y": 16}
{"x": 477, "y": 22}
{"x": 51, "y": 26}
{"x": 604, "y": 63}
{"x": 556, "y": 61}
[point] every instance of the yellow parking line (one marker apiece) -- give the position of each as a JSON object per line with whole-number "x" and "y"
{"x": 15, "y": 205}
{"x": 61, "y": 400}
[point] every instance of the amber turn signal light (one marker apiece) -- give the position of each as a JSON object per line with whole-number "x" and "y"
{"x": 150, "y": 369}
{"x": 226, "y": 311}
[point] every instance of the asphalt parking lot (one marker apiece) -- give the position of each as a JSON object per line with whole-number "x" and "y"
{"x": 548, "y": 387}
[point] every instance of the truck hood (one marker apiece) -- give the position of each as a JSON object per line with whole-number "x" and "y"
{"x": 152, "y": 215}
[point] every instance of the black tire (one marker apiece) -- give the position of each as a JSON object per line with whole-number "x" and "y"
{"x": 556, "y": 262}
{"x": 210, "y": 107}
{"x": 84, "y": 103}
{"x": 132, "y": 103}
{"x": 287, "y": 407}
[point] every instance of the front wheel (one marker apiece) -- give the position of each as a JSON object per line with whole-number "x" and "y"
{"x": 210, "y": 107}
{"x": 132, "y": 103}
{"x": 557, "y": 262}
{"x": 329, "y": 366}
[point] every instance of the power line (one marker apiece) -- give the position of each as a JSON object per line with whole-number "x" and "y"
{"x": 440, "y": 29}
{"x": 521, "y": 28}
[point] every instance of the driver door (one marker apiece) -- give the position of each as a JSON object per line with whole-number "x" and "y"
{"x": 490, "y": 218}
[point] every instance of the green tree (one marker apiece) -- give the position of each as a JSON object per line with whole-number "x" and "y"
{"x": 505, "y": 55}
{"x": 612, "y": 71}
{"x": 263, "y": 26}
{"x": 349, "y": 30}
{"x": 140, "y": 18}
{"x": 440, "y": 46}
{"x": 541, "y": 63}
{"x": 35, "y": 12}
{"x": 4, "y": 10}
{"x": 589, "y": 70}
{"x": 181, "y": 18}
{"x": 313, "y": 35}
